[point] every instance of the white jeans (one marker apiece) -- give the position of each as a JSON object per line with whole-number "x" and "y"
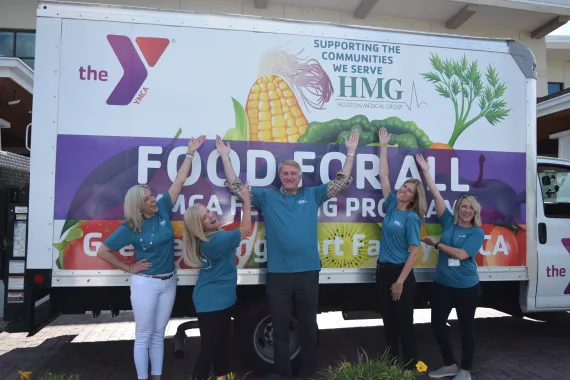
{"x": 152, "y": 300}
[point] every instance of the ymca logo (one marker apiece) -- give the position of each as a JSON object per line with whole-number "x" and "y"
{"x": 135, "y": 72}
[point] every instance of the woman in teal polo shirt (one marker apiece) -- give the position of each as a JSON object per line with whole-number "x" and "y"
{"x": 147, "y": 228}
{"x": 456, "y": 282}
{"x": 399, "y": 249}
{"x": 208, "y": 247}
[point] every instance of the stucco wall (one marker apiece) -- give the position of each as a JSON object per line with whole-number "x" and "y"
{"x": 559, "y": 71}
{"x": 21, "y": 14}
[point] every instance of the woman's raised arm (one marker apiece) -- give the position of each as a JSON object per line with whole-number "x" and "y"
{"x": 384, "y": 139}
{"x": 245, "y": 227}
{"x": 184, "y": 170}
{"x": 439, "y": 202}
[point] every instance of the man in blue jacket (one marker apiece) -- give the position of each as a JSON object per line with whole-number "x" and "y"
{"x": 293, "y": 264}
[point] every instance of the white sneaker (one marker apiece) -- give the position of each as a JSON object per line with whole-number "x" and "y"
{"x": 442, "y": 372}
{"x": 462, "y": 376}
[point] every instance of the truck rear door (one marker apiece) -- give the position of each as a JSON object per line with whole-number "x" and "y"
{"x": 553, "y": 216}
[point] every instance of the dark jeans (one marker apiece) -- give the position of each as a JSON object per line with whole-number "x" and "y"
{"x": 465, "y": 302}
{"x": 300, "y": 291}
{"x": 215, "y": 344}
{"x": 398, "y": 316}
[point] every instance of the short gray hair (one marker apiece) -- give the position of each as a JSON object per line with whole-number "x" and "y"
{"x": 289, "y": 162}
{"x": 133, "y": 207}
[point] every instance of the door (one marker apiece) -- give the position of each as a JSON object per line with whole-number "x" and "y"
{"x": 553, "y": 216}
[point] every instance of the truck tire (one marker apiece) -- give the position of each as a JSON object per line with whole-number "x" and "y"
{"x": 254, "y": 334}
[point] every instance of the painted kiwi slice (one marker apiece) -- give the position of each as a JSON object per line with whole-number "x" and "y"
{"x": 348, "y": 245}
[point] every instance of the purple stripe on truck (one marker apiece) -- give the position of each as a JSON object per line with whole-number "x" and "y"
{"x": 93, "y": 174}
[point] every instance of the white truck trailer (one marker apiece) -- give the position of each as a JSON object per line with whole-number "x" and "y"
{"x": 119, "y": 91}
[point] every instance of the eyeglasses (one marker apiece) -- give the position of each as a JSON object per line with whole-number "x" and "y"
{"x": 465, "y": 195}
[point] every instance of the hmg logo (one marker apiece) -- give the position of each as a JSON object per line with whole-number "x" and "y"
{"x": 134, "y": 70}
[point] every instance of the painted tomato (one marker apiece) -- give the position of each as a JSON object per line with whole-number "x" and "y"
{"x": 80, "y": 251}
{"x": 502, "y": 248}
{"x": 521, "y": 240}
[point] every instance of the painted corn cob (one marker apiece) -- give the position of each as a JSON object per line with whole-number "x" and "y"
{"x": 273, "y": 108}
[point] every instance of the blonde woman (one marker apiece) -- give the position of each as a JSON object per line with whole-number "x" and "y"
{"x": 399, "y": 250}
{"x": 212, "y": 249}
{"x": 456, "y": 282}
{"x": 148, "y": 230}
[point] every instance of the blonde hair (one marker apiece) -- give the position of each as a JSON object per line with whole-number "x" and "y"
{"x": 133, "y": 207}
{"x": 289, "y": 162}
{"x": 419, "y": 205}
{"x": 192, "y": 234}
{"x": 476, "y": 207}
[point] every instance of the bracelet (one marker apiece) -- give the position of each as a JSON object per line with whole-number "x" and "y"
{"x": 190, "y": 154}
{"x": 350, "y": 155}
{"x": 436, "y": 244}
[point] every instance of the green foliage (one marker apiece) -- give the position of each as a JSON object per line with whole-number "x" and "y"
{"x": 366, "y": 368}
{"x": 462, "y": 83}
{"x": 74, "y": 233}
{"x": 241, "y": 130}
{"x": 56, "y": 376}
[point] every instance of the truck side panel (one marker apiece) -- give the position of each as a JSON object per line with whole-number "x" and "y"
{"x": 280, "y": 90}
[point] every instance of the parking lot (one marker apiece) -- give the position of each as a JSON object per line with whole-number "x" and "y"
{"x": 507, "y": 347}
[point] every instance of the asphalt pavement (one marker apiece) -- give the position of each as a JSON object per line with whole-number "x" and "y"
{"x": 101, "y": 348}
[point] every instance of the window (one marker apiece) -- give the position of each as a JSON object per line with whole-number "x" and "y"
{"x": 18, "y": 43}
{"x": 555, "y": 189}
{"x": 554, "y": 87}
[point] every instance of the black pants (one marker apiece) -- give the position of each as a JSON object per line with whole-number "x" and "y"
{"x": 215, "y": 344}
{"x": 465, "y": 302}
{"x": 398, "y": 316}
{"x": 300, "y": 292}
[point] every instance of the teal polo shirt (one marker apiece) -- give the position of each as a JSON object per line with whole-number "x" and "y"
{"x": 400, "y": 229}
{"x": 217, "y": 280}
{"x": 291, "y": 227}
{"x": 470, "y": 240}
{"x": 161, "y": 252}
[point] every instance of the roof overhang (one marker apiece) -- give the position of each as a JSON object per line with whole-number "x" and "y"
{"x": 536, "y": 17}
{"x": 16, "y": 96}
{"x": 554, "y": 105}
{"x": 18, "y": 71}
{"x": 558, "y": 47}
{"x": 559, "y": 135}
{"x": 553, "y": 115}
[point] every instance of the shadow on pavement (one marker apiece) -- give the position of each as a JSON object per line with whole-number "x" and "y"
{"x": 507, "y": 348}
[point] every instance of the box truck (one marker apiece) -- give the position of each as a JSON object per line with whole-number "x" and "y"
{"x": 119, "y": 91}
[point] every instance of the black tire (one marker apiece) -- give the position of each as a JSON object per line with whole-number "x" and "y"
{"x": 254, "y": 338}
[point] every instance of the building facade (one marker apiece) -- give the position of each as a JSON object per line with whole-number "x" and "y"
{"x": 529, "y": 21}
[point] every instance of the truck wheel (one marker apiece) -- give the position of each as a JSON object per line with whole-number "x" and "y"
{"x": 254, "y": 332}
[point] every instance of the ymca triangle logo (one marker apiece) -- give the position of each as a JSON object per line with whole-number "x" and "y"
{"x": 566, "y": 244}
{"x": 134, "y": 70}
{"x": 152, "y": 48}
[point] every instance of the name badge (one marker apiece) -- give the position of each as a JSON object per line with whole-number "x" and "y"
{"x": 453, "y": 262}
